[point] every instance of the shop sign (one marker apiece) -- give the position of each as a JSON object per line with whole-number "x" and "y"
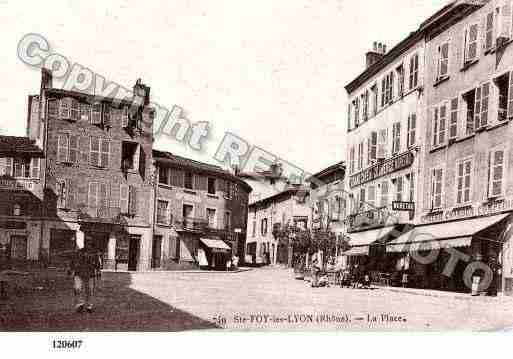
{"x": 403, "y": 206}
{"x": 485, "y": 209}
{"x": 381, "y": 169}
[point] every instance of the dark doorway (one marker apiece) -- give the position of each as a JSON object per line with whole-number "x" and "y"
{"x": 156, "y": 252}
{"x": 62, "y": 246}
{"x": 97, "y": 242}
{"x": 133, "y": 252}
{"x": 19, "y": 247}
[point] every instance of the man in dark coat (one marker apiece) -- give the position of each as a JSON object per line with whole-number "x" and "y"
{"x": 85, "y": 268}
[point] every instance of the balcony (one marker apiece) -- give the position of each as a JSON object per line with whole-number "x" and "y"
{"x": 194, "y": 224}
{"x": 10, "y": 183}
{"x": 100, "y": 215}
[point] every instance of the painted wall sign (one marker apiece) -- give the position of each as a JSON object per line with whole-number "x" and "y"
{"x": 381, "y": 169}
{"x": 475, "y": 210}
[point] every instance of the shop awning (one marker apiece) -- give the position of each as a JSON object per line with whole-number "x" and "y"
{"x": 442, "y": 235}
{"x": 216, "y": 244}
{"x": 357, "y": 251}
{"x": 365, "y": 238}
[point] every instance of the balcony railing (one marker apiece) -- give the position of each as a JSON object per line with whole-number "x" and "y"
{"x": 100, "y": 214}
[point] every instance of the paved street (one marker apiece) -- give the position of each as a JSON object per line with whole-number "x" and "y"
{"x": 269, "y": 299}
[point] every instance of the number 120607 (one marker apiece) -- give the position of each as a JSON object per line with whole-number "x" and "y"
{"x": 66, "y": 344}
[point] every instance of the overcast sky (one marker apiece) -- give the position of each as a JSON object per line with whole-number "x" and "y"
{"x": 272, "y": 72}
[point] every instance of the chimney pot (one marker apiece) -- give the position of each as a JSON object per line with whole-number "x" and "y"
{"x": 375, "y": 46}
{"x": 384, "y": 49}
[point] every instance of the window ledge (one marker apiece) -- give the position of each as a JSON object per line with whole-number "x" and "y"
{"x": 441, "y": 80}
{"x": 190, "y": 191}
{"x": 165, "y": 185}
{"x": 163, "y": 224}
{"x": 497, "y": 125}
{"x": 210, "y": 195}
{"x": 434, "y": 149}
{"x": 481, "y": 129}
{"x": 466, "y": 137}
{"x": 469, "y": 64}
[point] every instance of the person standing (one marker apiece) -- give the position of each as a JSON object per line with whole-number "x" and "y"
{"x": 85, "y": 268}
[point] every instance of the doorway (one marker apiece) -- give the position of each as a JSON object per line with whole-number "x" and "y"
{"x": 133, "y": 252}
{"x": 19, "y": 247}
{"x": 156, "y": 252}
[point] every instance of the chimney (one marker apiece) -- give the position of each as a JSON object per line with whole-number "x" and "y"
{"x": 46, "y": 79}
{"x": 141, "y": 93}
{"x": 378, "y": 51}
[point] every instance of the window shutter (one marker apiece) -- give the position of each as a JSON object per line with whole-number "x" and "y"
{"x": 105, "y": 152}
{"x": 94, "y": 153}
{"x": 125, "y": 119}
{"x": 8, "y": 166}
{"x": 73, "y": 149}
{"x": 114, "y": 196}
{"x": 176, "y": 178}
{"x": 75, "y": 110}
{"x": 53, "y": 107}
{"x": 505, "y": 22}
{"x": 92, "y": 195}
{"x": 497, "y": 173}
{"x": 142, "y": 162}
{"x": 60, "y": 193}
{"x": 65, "y": 108}
{"x": 85, "y": 111}
{"x": 391, "y": 87}
{"x": 384, "y": 194}
{"x": 124, "y": 196}
{"x": 373, "y": 145}
{"x": 62, "y": 148}
{"x": 453, "y": 122}
{"x": 510, "y": 96}
{"x": 133, "y": 200}
{"x": 489, "y": 38}
{"x": 382, "y": 143}
{"x": 477, "y": 108}
{"x": 96, "y": 113}
{"x": 70, "y": 193}
{"x": 103, "y": 198}
{"x": 34, "y": 167}
{"x": 107, "y": 115}
{"x": 485, "y": 94}
{"x": 349, "y": 116}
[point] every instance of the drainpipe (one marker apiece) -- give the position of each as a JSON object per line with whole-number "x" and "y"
{"x": 154, "y": 213}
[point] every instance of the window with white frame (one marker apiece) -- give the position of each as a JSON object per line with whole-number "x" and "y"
{"x": 497, "y": 171}
{"x": 382, "y": 143}
{"x": 414, "y": 71}
{"x": 442, "y": 68}
{"x": 481, "y": 106}
{"x": 489, "y": 31}
{"x": 463, "y": 181}
{"x": 396, "y": 137}
{"x": 387, "y": 89}
{"x": 453, "y": 119}
{"x": 371, "y": 197}
{"x": 439, "y": 124}
{"x": 360, "y": 156}
{"x": 20, "y": 167}
{"x": 211, "y": 218}
{"x": 399, "y": 188}
{"x": 163, "y": 212}
{"x": 99, "y": 152}
{"x": 412, "y": 125}
{"x": 67, "y": 148}
{"x": 436, "y": 188}
{"x": 471, "y": 49}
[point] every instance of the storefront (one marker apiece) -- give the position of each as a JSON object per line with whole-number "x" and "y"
{"x": 214, "y": 254}
{"x": 449, "y": 255}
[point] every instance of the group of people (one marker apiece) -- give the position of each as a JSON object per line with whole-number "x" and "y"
{"x": 353, "y": 276}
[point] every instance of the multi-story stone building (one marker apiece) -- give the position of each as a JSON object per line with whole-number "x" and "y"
{"x": 96, "y": 174}
{"x": 267, "y": 216}
{"x": 468, "y": 163}
{"x": 384, "y": 137}
{"x": 201, "y": 214}
{"x": 21, "y": 194}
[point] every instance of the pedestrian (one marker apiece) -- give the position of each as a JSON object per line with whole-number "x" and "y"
{"x": 315, "y": 273}
{"x": 85, "y": 269}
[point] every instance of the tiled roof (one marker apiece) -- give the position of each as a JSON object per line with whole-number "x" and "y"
{"x": 168, "y": 157}
{"x": 13, "y": 145}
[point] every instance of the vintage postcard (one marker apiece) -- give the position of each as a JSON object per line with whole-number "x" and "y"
{"x": 256, "y": 166}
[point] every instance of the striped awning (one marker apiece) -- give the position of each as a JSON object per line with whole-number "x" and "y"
{"x": 442, "y": 235}
{"x": 215, "y": 244}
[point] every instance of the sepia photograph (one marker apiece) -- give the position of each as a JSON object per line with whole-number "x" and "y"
{"x": 273, "y": 166}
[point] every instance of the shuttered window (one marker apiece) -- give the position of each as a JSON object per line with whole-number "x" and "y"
{"x": 396, "y": 137}
{"x": 453, "y": 119}
{"x": 360, "y": 156}
{"x": 65, "y": 108}
{"x": 439, "y": 124}
{"x": 371, "y": 197}
{"x": 471, "y": 43}
{"x": 463, "y": 181}
{"x": 35, "y": 167}
{"x": 124, "y": 196}
{"x": 481, "y": 105}
{"x": 352, "y": 160}
{"x": 412, "y": 125}
{"x": 99, "y": 152}
{"x": 489, "y": 34}
{"x": 133, "y": 201}
{"x": 436, "y": 188}
{"x": 53, "y": 107}
{"x": 496, "y": 183}
{"x": 372, "y": 146}
{"x": 96, "y": 113}
{"x": 384, "y": 194}
{"x": 382, "y": 143}
{"x": 414, "y": 71}
{"x": 85, "y": 111}
{"x": 443, "y": 61}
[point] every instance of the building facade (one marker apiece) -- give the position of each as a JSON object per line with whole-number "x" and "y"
{"x": 201, "y": 214}
{"x": 21, "y": 191}
{"x": 468, "y": 172}
{"x": 267, "y": 216}
{"x": 384, "y": 147}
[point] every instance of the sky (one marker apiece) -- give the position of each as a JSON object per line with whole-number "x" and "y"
{"x": 272, "y": 72}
